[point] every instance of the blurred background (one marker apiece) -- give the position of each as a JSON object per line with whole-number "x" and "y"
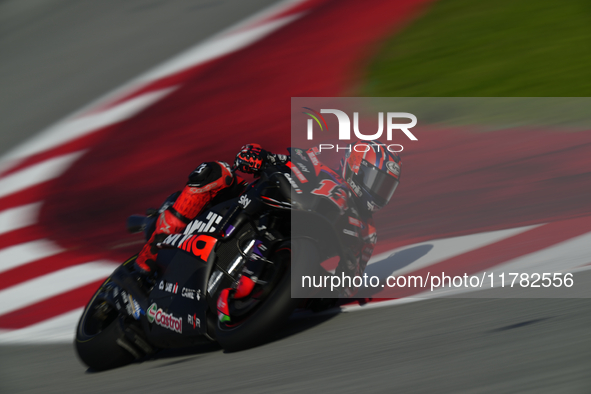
{"x": 123, "y": 120}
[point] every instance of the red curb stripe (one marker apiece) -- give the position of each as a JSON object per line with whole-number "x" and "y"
{"x": 298, "y": 8}
{"x": 21, "y": 235}
{"x": 42, "y": 267}
{"x": 26, "y": 196}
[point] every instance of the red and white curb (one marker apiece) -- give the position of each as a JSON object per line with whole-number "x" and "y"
{"x": 570, "y": 255}
{"x": 41, "y": 159}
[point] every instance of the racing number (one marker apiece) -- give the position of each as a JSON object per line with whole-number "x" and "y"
{"x": 330, "y": 189}
{"x": 325, "y": 188}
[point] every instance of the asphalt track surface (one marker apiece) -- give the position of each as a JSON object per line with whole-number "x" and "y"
{"x": 466, "y": 346}
{"x": 434, "y": 346}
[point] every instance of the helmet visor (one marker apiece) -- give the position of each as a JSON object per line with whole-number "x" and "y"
{"x": 381, "y": 184}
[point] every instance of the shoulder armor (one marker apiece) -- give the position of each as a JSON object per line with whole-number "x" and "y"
{"x": 204, "y": 174}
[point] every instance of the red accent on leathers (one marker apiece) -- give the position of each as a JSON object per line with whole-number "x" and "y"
{"x": 167, "y": 224}
{"x": 189, "y": 204}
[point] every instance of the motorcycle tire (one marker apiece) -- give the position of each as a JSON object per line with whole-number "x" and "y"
{"x": 101, "y": 348}
{"x": 273, "y": 313}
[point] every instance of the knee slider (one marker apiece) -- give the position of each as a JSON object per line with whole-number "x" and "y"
{"x": 158, "y": 238}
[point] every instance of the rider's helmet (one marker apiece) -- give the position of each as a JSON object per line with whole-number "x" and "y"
{"x": 372, "y": 172}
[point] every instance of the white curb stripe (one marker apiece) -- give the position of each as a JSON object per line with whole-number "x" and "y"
{"x": 50, "y": 285}
{"x": 37, "y": 173}
{"x": 442, "y": 249}
{"x": 562, "y": 257}
{"x": 17, "y": 255}
{"x": 59, "y": 329}
{"x": 19, "y": 217}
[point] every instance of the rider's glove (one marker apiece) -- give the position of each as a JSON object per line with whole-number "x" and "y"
{"x": 251, "y": 159}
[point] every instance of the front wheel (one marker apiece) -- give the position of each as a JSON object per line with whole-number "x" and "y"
{"x": 101, "y": 341}
{"x": 273, "y": 311}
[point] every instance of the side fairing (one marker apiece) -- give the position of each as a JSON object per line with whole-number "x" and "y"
{"x": 178, "y": 305}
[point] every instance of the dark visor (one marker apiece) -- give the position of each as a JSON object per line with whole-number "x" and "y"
{"x": 382, "y": 184}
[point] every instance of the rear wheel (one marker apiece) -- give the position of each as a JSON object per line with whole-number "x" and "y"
{"x": 269, "y": 308}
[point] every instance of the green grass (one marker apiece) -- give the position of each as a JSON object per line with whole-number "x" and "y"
{"x": 488, "y": 48}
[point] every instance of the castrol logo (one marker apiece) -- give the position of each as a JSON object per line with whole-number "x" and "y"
{"x": 158, "y": 316}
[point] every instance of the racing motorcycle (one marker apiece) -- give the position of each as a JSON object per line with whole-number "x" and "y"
{"x": 289, "y": 220}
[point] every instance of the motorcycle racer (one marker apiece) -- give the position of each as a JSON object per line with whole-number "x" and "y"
{"x": 369, "y": 173}
{"x": 208, "y": 181}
